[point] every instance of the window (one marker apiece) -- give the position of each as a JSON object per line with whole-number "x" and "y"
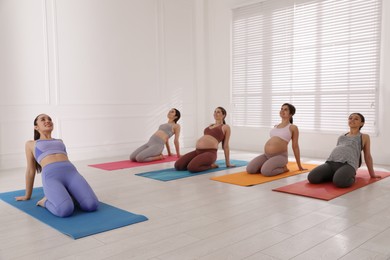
{"x": 322, "y": 56}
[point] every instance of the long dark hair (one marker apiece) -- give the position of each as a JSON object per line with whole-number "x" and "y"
{"x": 37, "y": 135}
{"x": 224, "y": 122}
{"x": 177, "y": 114}
{"x": 223, "y": 113}
{"x": 291, "y": 108}
{"x": 361, "y": 118}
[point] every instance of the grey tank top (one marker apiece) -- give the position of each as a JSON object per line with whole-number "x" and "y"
{"x": 348, "y": 150}
{"x": 166, "y": 128}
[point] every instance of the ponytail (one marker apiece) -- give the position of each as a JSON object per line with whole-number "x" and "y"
{"x": 37, "y": 135}
{"x": 223, "y": 113}
{"x": 291, "y": 108}
{"x": 177, "y": 114}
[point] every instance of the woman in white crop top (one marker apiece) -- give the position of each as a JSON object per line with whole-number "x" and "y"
{"x": 152, "y": 150}
{"x": 275, "y": 158}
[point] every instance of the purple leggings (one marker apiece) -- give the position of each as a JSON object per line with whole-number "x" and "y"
{"x": 197, "y": 161}
{"x": 268, "y": 165}
{"x": 62, "y": 184}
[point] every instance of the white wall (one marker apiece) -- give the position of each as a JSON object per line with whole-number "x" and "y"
{"x": 107, "y": 71}
{"x": 253, "y": 139}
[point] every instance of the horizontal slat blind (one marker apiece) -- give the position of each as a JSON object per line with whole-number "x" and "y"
{"x": 321, "y": 56}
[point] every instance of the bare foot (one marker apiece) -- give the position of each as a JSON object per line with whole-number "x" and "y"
{"x": 41, "y": 202}
{"x": 213, "y": 166}
{"x": 285, "y": 169}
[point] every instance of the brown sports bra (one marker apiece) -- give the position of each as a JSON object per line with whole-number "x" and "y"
{"x": 215, "y": 132}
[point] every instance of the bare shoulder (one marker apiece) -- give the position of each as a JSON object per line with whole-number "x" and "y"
{"x": 365, "y": 138}
{"x": 30, "y": 145}
{"x": 293, "y": 128}
{"x": 226, "y": 127}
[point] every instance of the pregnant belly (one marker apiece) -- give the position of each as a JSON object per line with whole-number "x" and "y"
{"x": 275, "y": 145}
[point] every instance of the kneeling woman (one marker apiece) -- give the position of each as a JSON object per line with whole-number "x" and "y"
{"x": 275, "y": 158}
{"x": 152, "y": 150}
{"x": 341, "y": 165}
{"x": 62, "y": 183}
{"x": 205, "y": 155}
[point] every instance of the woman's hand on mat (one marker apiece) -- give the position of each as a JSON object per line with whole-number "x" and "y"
{"x": 230, "y": 165}
{"x": 19, "y": 198}
{"x": 375, "y": 176}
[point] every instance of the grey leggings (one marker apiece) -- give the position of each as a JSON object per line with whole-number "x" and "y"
{"x": 268, "y": 165}
{"x": 152, "y": 148}
{"x": 341, "y": 174}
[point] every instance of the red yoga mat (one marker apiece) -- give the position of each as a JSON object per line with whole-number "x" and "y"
{"x": 110, "y": 166}
{"x": 328, "y": 191}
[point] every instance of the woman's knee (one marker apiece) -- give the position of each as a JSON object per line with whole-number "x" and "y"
{"x": 90, "y": 204}
{"x": 132, "y": 157}
{"x": 314, "y": 178}
{"x": 320, "y": 174}
{"x": 65, "y": 209}
{"x": 194, "y": 167}
{"x": 179, "y": 166}
{"x": 269, "y": 172}
{"x": 140, "y": 158}
{"x": 250, "y": 168}
{"x": 343, "y": 181}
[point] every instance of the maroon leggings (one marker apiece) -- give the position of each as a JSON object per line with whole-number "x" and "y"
{"x": 197, "y": 161}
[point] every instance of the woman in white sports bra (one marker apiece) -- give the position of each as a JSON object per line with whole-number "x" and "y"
{"x": 152, "y": 150}
{"x": 275, "y": 158}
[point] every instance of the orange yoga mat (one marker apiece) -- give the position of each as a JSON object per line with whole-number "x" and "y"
{"x": 327, "y": 191}
{"x": 247, "y": 179}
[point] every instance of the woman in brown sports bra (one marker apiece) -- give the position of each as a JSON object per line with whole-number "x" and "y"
{"x": 204, "y": 156}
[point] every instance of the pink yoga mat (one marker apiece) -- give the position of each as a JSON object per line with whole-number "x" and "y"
{"x": 327, "y": 191}
{"x": 110, "y": 166}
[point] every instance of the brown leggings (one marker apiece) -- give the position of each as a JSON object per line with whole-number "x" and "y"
{"x": 197, "y": 161}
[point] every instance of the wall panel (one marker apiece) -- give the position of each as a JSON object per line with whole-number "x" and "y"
{"x": 23, "y": 53}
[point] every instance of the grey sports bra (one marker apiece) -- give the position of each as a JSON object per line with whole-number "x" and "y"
{"x": 166, "y": 128}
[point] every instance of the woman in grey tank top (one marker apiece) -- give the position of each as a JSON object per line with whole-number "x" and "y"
{"x": 341, "y": 165}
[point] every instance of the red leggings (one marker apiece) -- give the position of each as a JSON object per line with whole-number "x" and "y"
{"x": 197, "y": 161}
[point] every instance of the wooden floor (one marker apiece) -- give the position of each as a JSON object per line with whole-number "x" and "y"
{"x": 197, "y": 218}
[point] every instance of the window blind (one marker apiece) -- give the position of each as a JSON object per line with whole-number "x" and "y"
{"x": 322, "y": 56}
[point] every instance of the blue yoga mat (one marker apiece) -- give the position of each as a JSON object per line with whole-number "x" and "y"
{"x": 172, "y": 174}
{"x": 81, "y": 223}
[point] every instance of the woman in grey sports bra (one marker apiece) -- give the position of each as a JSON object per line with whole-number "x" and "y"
{"x": 341, "y": 165}
{"x": 152, "y": 150}
{"x": 275, "y": 158}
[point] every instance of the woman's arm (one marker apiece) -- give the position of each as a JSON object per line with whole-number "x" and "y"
{"x": 176, "y": 131}
{"x": 295, "y": 146}
{"x": 30, "y": 171}
{"x": 367, "y": 156}
{"x": 225, "y": 145}
{"x": 168, "y": 148}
